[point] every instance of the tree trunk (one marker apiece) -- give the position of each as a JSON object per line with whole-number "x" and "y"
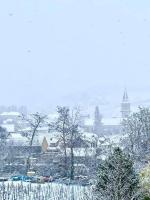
{"x": 65, "y": 156}
{"x": 72, "y": 165}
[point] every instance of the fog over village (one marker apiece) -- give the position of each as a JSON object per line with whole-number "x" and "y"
{"x": 75, "y": 100}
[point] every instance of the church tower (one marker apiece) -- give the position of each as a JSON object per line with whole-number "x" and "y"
{"x": 97, "y": 122}
{"x": 125, "y": 105}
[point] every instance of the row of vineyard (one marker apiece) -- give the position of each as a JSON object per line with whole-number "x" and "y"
{"x": 51, "y": 191}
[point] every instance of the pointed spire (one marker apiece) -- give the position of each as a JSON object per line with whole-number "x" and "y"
{"x": 125, "y": 96}
{"x": 125, "y": 106}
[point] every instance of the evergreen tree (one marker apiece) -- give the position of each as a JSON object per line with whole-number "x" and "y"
{"x": 116, "y": 177}
{"x": 147, "y": 198}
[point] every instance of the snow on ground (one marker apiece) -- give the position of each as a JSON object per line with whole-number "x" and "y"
{"x": 50, "y": 191}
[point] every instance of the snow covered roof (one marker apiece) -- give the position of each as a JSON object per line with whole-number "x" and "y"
{"x": 101, "y": 139}
{"x": 102, "y": 157}
{"x": 111, "y": 121}
{"x": 53, "y": 140}
{"x": 7, "y": 121}
{"x": 52, "y": 137}
{"x": 44, "y": 128}
{"x": 114, "y": 121}
{"x": 8, "y": 127}
{"x": 116, "y": 138}
{"x": 17, "y": 136}
{"x": 89, "y": 136}
{"x": 89, "y": 122}
{"x": 53, "y": 116}
{"x": 25, "y": 129}
{"x": 17, "y": 139}
{"x": 53, "y": 148}
{"x": 107, "y": 143}
{"x": 82, "y": 152}
{"x": 10, "y": 114}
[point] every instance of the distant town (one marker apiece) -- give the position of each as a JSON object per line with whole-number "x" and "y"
{"x": 68, "y": 147}
{"x": 98, "y": 135}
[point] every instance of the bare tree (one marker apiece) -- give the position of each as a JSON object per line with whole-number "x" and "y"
{"x": 3, "y": 148}
{"x": 61, "y": 125}
{"x": 67, "y": 125}
{"x": 137, "y": 129}
{"x": 74, "y": 134}
{"x": 34, "y": 121}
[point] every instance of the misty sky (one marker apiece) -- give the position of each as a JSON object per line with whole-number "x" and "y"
{"x": 53, "y": 48}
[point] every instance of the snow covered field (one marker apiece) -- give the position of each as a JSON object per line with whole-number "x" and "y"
{"x": 50, "y": 191}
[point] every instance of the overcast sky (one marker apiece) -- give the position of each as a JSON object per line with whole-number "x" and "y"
{"x": 53, "y": 48}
